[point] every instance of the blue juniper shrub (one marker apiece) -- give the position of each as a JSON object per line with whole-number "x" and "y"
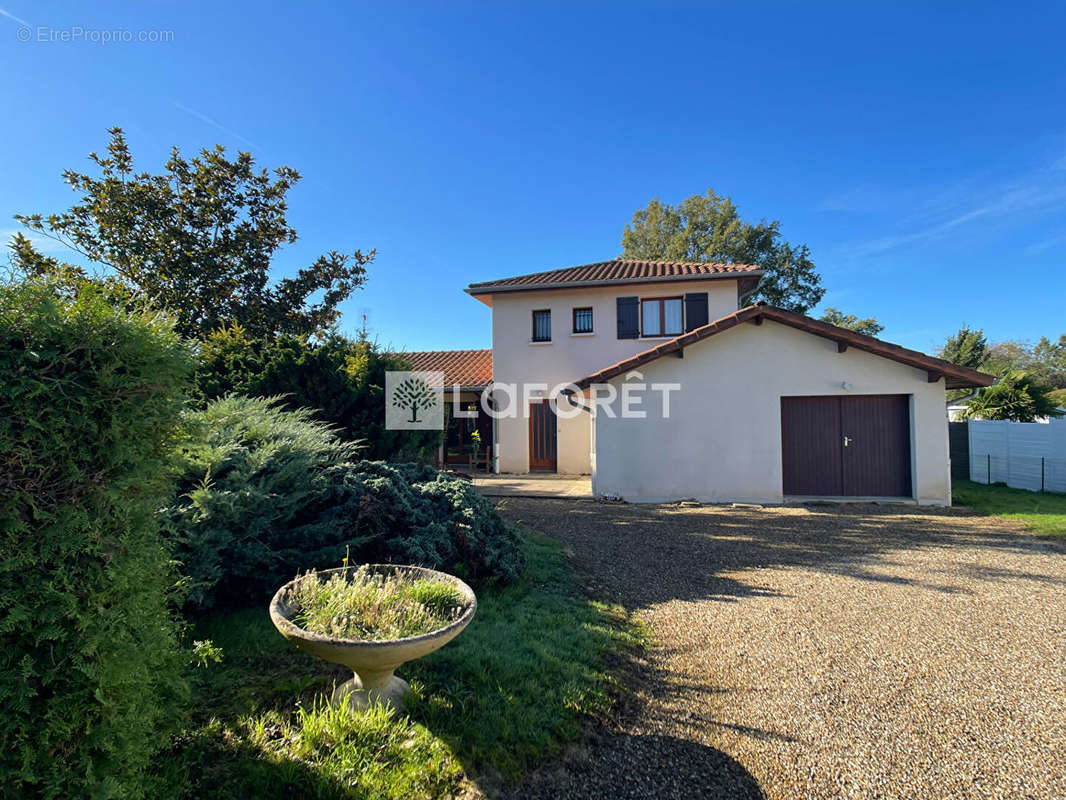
{"x": 266, "y": 493}
{"x": 90, "y": 403}
{"x": 260, "y": 487}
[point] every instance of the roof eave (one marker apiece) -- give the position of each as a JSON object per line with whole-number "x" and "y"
{"x": 955, "y": 376}
{"x": 476, "y": 289}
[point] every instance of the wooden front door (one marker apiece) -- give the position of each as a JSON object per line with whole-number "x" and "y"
{"x": 542, "y": 450}
{"x": 851, "y": 446}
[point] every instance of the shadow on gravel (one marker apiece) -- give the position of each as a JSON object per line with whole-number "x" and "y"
{"x": 632, "y": 767}
{"x": 645, "y": 554}
{"x": 631, "y": 756}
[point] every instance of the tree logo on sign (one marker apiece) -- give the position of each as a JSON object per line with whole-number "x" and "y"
{"x": 415, "y": 395}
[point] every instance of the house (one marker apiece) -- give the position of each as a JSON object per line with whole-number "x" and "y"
{"x": 661, "y": 382}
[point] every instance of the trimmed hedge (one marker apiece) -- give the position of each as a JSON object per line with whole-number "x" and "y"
{"x": 90, "y": 667}
{"x": 266, "y": 493}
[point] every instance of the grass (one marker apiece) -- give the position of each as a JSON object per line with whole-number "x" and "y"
{"x": 1040, "y": 512}
{"x": 366, "y": 606}
{"x": 538, "y": 659}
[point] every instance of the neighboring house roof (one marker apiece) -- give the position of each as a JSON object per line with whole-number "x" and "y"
{"x": 463, "y": 367}
{"x": 617, "y": 271}
{"x": 955, "y": 377}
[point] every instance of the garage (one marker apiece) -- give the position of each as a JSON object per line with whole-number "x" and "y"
{"x": 768, "y": 406}
{"x": 846, "y": 446}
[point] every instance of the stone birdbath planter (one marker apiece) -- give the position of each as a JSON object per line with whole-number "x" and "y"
{"x": 372, "y": 659}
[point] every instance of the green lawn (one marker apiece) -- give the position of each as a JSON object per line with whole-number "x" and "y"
{"x": 1040, "y": 512}
{"x": 513, "y": 688}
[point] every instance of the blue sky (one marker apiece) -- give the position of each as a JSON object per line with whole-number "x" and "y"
{"x": 920, "y": 153}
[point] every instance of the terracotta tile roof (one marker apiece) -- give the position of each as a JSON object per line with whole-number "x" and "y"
{"x": 955, "y": 377}
{"x": 616, "y": 271}
{"x": 465, "y": 367}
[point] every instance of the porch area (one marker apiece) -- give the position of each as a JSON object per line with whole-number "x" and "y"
{"x": 574, "y": 487}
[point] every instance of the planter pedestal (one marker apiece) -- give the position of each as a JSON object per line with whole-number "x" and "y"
{"x": 361, "y": 693}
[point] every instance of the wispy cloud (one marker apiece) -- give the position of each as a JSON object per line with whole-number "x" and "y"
{"x": 204, "y": 118}
{"x": 1036, "y": 248}
{"x": 861, "y": 199}
{"x": 5, "y": 13}
{"x": 1007, "y": 202}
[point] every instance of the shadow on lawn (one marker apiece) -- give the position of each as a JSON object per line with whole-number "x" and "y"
{"x": 216, "y": 766}
{"x": 645, "y": 554}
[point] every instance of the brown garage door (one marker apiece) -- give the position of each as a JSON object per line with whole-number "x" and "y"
{"x": 854, "y": 446}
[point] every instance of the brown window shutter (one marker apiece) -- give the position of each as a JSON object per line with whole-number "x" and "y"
{"x": 695, "y": 310}
{"x": 628, "y": 317}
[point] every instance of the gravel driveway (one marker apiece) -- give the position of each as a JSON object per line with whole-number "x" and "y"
{"x": 818, "y": 652}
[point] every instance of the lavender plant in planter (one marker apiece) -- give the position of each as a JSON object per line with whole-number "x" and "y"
{"x": 371, "y": 619}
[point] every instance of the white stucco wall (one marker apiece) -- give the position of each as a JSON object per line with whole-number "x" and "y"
{"x": 570, "y": 357}
{"x": 723, "y": 438}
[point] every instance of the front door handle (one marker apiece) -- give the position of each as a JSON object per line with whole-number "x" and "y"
{"x": 847, "y": 441}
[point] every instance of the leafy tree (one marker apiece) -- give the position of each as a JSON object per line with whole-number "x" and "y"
{"x": 1012, "y": 355}
{"x": 869, "y": 326}
{"x": 709, "y": 228}
{"x": 1046, "y": 360}
{"x": 197, "y": 239}
{"x": 1049, "y": 361}
{"x": 1017, "y": 397}
{"x": 967, "y": 348}
{"x": 1043, "y": 367}
{"x": 341, "y": 381}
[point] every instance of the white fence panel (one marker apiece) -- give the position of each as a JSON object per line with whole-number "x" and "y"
{"x": 1025, "y": 455}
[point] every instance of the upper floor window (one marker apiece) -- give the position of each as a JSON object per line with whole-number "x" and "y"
{"x": 660, "y": 316}
{"x": 583, "y": 320}
{"x": 542, "y": 326}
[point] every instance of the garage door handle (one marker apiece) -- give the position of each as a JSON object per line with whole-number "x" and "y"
{"x": 847, "y": 441}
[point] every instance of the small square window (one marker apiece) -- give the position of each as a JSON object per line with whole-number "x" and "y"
{"x": 583, "y": 320}
{"x": 542, "y": 326}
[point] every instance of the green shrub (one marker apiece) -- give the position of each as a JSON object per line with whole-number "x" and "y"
{"x": 266, "y": 493}
{"x": 340, "y": 380}
{"x": 428, "y": 518}
{"x": 261, "y": 489}
{"x": 90, "y": 400}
